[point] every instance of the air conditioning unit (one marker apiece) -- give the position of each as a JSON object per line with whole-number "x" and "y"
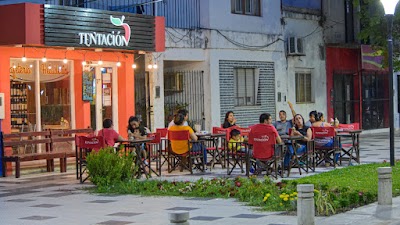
{"x": 295, "y": 46}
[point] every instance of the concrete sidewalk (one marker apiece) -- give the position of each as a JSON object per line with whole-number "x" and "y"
{"x": 59, "y": 199}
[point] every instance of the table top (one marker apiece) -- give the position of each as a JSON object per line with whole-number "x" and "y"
{"x": 136, "y": 141}
{"x": 210, "y": 135}
{"x": 287, "y": 137}
{"x": 344, "y": 133}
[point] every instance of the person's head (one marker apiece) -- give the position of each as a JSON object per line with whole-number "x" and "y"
{"x": 319, "y": 117}
{"x": 313, "y": 115}
{"x": 266, "y": 118}
{"x": 133, "y": 122}
{"x": 298, "y": 121}
{"x": 107, "y": 123}
{"x": 229, "y": 117}
{"x": 179, "y": 119}
{"x": 282, "y": 115}
{"x": 235, "y": 134}
{"x": 185, "y": 113}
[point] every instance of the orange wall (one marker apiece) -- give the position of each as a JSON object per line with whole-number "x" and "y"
{"x": 82, "y": 109}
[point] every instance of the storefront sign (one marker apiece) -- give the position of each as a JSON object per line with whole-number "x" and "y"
{"x": 110, "y": 39}
{"x": 371, "y": 60}
{"x": 48, "y": 72}
{"x": 79, "y": 27}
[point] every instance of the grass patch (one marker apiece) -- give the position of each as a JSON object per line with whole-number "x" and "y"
{"x": 335, "y": 191}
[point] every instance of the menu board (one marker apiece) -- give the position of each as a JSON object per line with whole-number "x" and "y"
{"x": 87, "y": 85}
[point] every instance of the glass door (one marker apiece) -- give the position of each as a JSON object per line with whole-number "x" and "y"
{"x": 104, "y": 103}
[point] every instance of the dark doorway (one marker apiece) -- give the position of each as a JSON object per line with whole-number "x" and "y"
{"x": 346, "y": 98}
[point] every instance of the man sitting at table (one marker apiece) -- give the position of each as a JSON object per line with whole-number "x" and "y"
{"x": 283, "y": 125}
{"x": 110, "y": 135}
{"x": 265, "y": 124}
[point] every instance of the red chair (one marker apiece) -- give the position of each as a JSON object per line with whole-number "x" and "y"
{"x": 186, "y": 159}
{"x": 304, "y": 160}
{"x": 164, "y": 151}
{"x": 325, "y": 153}
{"x": 265, "y": 150}
{"x": 349, "y": 151}
{"x": 154, "y": 150}
{"x": 235, "y": 157}
{"x": 85, "y": 145}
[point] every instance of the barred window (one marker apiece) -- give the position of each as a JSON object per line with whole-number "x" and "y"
{"x": 303, "y": 88}
{"x": 246, "y": 86}
{"x": 247, "y": 7}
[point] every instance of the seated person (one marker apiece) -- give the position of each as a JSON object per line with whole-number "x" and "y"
{"x": 229, "y": 120}
{"x": 327, "y": 141}
{"x": 109, "y": 134}
{"x": 283, "y": 125}
{"x": 185, "y": 113}
{"x": 137, "y": 131}
{"x": 236, "y": 141}
{"x": 311, "y": 120}
{"x": 180, "y": 147}
{"x": 299, "y": 129}
{"x": 265, "y": 122}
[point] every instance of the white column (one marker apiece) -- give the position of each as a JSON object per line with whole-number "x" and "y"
{"x": 305, "y": 204}
{"x": 385, "y": 186}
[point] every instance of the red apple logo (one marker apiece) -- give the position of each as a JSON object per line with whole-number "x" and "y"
{"x": 120, "y": 23}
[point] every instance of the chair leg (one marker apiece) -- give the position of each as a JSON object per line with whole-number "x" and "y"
{"x": 17, "y": 168}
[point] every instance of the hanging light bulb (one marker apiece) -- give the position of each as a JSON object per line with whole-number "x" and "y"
{"x": 150, "y": 66}
{"x": 49, "y": 66}
{"x": 14, "y": 66}
{"x": 134, "y": 66}
{"x": 100, "y": 62}
{"x": 118, "y": 64}
{"x": 65, "y": 61}
{"x": 44, "y": 59}
{"x": 30, "y": 65}
{"x": 83, "y": 63}
{"x": 24, "y": 58}
{"x": 155, "y": 66}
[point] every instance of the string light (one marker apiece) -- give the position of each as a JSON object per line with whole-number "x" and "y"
{"x": 65, "y": 61}
{"x": 155, "y": 66}
{"x": 44, "y": 59}
{"x": 24, "y": 58}
{"x": 150, "y": 66}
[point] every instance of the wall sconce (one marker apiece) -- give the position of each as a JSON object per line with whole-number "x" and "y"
{"x": 24, "y": 58}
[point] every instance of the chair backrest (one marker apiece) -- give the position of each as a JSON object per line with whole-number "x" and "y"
{"x": 349, "y": 127}
{"x": 92, "y": 143}
{"x": 263, "y": 141}
{"x": 219, "y": 130}
{"x": 244, "y": 131}
{"x": 179, "y": 141}
{"x": 182, "y": 135}
{"x": 156, "y": 138}
{"x": 323, "y": 132}
{"x": 162, "y": 131}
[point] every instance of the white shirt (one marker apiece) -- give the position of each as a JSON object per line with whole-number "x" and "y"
{"x": 172, "y": 124}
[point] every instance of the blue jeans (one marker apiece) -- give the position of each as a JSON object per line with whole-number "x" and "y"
{"x": 300, "y": 150}
{"x": 197, "y": 147}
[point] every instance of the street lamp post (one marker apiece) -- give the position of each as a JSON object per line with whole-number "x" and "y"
{"x": 390, "y": 6}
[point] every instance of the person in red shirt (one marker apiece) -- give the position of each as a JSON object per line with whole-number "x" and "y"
{"x": 110, "y": 135}
{"x": 266, "y": 121}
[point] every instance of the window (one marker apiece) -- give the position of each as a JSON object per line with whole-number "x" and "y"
{"x": 303, "y": 88}
{"x": 246, "y": 86}
{"x": 247, "y": 7}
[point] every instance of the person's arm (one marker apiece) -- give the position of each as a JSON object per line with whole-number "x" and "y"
{"x": 192, "y": 135}
{"x": 292, "y": 109}
{"x": 308, "y": 137}
{"x": 278, "y": 139}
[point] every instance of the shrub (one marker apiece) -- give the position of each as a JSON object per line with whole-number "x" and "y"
{"x": 107, "y": 168}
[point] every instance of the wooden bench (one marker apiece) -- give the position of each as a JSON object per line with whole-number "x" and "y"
{"x": 64, "y": 141}
{"x": 39, "y": 144}
{"x": 47, "y": 145}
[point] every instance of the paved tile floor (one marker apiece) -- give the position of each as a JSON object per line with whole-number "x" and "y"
{"x": 54, "y": 198}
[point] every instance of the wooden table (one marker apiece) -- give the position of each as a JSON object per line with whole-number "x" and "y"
{"x": 352, "y": 153}
{"x": 136, "y": 144}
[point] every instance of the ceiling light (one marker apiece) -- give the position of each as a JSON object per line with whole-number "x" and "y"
{"x": 65, "y": 61}
{"x": 44, "y": 59}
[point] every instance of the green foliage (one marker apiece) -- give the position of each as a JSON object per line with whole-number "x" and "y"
{"x": 374, "y": 29}
{"x": 335, "y": 191}
{"x": 107, "y": 168}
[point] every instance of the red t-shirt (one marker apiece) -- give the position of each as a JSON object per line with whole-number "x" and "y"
{"x": 265, "y": 126}
{"x": 110, "y": 136}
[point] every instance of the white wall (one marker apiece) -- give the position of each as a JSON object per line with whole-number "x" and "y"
{"x": 220, "y": 17}
{"x": 305, "y": 26}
